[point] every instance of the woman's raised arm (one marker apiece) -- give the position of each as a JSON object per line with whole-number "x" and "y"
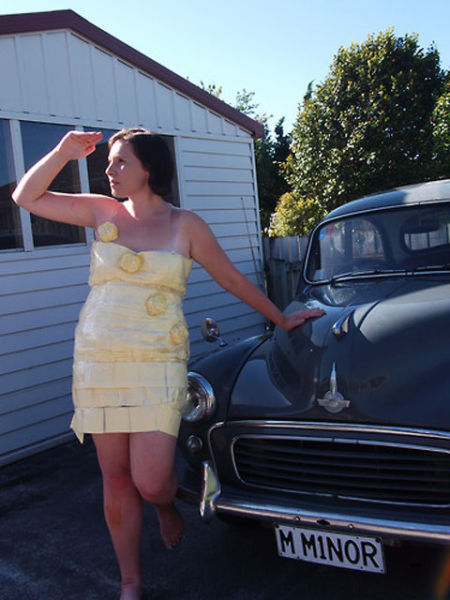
{"x": 32, "y": 194}
{"x": 206, "y": 251}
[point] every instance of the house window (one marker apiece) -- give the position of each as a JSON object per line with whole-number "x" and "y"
{"x": 173, "y": 197}
{"x": 37, "y": 140}
{"x": 97, "y": 163}
{"x": 10, "y": 229}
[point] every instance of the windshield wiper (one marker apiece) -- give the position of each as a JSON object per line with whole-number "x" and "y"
{"x": 367, "y": 273}
{"x": 445, "y": 267}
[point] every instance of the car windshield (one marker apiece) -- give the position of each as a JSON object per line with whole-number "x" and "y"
{"x": 411, "y": 239}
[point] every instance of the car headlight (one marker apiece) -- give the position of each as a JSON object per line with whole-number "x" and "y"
{"x": 201, "y": 402}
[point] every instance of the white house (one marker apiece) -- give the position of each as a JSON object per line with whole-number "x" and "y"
{"x": 60, "y": 72}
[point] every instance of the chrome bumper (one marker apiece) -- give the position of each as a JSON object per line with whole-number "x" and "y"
{"x": 213, "y": 501}
{"x": 210, "y": 492}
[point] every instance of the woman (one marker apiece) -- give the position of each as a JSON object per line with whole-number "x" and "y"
{"x": 131, "y": 342}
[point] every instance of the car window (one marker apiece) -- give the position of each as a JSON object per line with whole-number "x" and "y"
{"x": 427, "y": 229}
{"x": 406, "y": 238}
{"x": 345, "y": 246}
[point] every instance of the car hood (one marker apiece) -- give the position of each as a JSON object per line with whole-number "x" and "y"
{"x": 382, "y": 347}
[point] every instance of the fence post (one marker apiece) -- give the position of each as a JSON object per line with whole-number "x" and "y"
{"x": 283, "y": 260}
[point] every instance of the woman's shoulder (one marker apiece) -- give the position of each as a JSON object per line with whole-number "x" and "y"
{"x": 105, "y": 208}
{"x": 187, "y": 217}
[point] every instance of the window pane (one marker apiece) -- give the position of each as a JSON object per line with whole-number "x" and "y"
{"x": 367, "y": 242}
{"x": 427, "y": 229}
{"x": 347, "y": 246}
{"x": 10, "y": 230}
{"x": 96, "y": 163}
{"x": 173, "y": 197}
{"x": 37, "y": 140}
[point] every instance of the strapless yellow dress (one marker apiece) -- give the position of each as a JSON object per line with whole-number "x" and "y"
{"x": 131, "y": 342}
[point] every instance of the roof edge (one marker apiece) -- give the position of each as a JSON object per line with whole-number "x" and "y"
{"x": 69, "y": 19}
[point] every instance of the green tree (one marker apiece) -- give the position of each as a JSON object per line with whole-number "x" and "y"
{"x": 212, "y": 88}
{"x": 368, "y": 127}
{"x": 295, "y": 216}
{"x": 270, "y": 154}
{"x": 441, "y": 132}
{"x": 245, "y": 103}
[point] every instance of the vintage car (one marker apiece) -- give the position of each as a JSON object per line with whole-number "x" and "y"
{"x": 338, "y": 432}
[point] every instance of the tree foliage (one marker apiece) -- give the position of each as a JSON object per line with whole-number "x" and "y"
{"x": 367, "y": 127}
{"x": 212, "y": 88}
{"x": 270, "y": 153}
{"x": 245, "y": 103}
{"x": 441, "y": 132}
{"x": 295, "y": 216}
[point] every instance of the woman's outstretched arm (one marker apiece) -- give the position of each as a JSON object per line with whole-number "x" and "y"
{"x": 206, "y": 251}
{"x": 32, "y": 190}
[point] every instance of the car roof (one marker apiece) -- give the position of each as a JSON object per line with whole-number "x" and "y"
{"x": 431, "y": 191}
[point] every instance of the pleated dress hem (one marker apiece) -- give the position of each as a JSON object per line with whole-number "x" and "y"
{"x": 126, "y": 419}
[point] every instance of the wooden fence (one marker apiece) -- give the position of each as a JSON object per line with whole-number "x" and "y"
{"x": 283, "y": 261}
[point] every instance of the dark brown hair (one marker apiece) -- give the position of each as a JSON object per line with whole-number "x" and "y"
{"x": 153, "y": 154}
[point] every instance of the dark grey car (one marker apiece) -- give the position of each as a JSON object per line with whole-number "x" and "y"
{"x": 339, "y": 432}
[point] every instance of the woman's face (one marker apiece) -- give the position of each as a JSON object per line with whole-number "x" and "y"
{"x": 125, "y": 172}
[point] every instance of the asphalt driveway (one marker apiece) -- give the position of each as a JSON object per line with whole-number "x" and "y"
{"x": 53, "y": 540}
{"x": 54, "y": 545}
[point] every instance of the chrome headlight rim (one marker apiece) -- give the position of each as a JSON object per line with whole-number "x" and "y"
{"x": 201, "y": 401}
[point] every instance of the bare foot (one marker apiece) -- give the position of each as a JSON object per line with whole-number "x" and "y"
{"x": 171, "y": 525}
{"x": 131, "y": 591}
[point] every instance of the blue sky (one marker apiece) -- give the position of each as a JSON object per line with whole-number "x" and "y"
{"x": 271, "y": 48}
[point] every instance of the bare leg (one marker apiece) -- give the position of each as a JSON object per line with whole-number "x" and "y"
{"x": 123, "y": 508}
{"x": 152, "y": 467}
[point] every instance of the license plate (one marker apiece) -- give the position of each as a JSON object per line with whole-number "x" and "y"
{"x": 330, "y": 548}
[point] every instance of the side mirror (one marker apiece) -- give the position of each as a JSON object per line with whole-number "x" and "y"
{"x": 210, "y": 331}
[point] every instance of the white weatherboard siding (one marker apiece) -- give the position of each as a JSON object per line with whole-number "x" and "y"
{"x": 59, "y": 77}
{"x": 218, "y": 182}
{"x": 65, "y": 78}
{"x": 40, "y": 298}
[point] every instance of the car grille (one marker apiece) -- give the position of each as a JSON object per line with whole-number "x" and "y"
{"x": 361, "y": 470}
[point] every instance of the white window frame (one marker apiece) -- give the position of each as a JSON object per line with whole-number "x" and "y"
{"x": 19, "y": 171}
{"x": 19, "y": 168}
